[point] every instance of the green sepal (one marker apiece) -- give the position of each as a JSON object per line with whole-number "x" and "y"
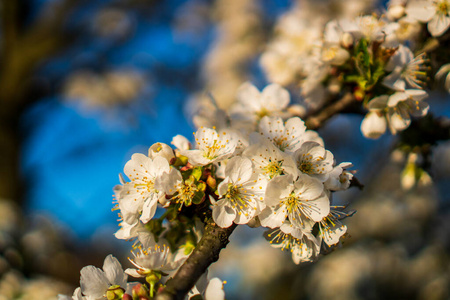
{"x": 198, "y": 197}
{"x": 155, "y": 227}
{"x": 197, "y": 173}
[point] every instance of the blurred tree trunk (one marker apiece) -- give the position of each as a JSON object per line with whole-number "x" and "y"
{"x": 22, "y": 50}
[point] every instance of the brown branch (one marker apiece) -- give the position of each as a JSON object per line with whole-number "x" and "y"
{"x": 207, "y": 251}
{"x": 317, "y": 120}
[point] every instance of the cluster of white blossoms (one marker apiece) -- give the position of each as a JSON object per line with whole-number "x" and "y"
{"x": 258, "y": 166}
{"x": 380, "y": 59}
{"x": 254, "y": 167}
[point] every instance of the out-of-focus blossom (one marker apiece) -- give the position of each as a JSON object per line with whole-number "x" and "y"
{"x": 434, "y": 12}
{"x": 444, "y": 71}
{"x": 404, "y": 69}
{"x": 394, "y": 111}
{"x": 104, "y": 90}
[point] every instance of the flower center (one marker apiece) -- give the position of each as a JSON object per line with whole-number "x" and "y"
{"x": 305, "y": 166}
{"x": 280, "y": 142}
{"x": 273, "y": 169}
{"x": 286, "y": 241}
{"x": 185, "y": 194}
{"x": 442, "y": 7}
{"x": 291, "y": 203}
{"x": 213, "y": 150}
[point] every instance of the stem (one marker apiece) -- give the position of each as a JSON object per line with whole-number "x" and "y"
{"x": 207, "y": 251}
{"x": 317, "y": 119}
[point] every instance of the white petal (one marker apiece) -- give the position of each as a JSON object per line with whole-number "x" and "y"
{"x": 214, "y": 290}
{"x": 438, "y": 25}
{"x": 378, "y": 103}
{"x": 114, "y": 272}
{"x": 373, "y": 125}
{"x": 420, "y": 10}
{"x": 181, "y": 142}
{"x": 223, "y": 215}
{"x": 307, "y": 187}
{"x": 77, "y": 294}
{"x": 318, "y": 208}
{"x": 239, "y": 169}
{"x": 398, "y": 122}
{"x": 272, "y": 217}
{"x": 276, "y": 188}
{"x": 444, "y": 70}
{"x": 275, "y": 97}
{"x": 133, "y": 273}
{"x": 93, "y": 282}
{"x": 149, "y": 209}
{"x": 247, "y": 92}
{"x": 196, "y": 157}
{"x": 333, "y": 235}
{"x": 416, "y": 94}
{"x": 394, "y": 80}
{"x": 396, "y": 98}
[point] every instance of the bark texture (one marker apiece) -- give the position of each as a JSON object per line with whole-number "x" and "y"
{"x": 207, "y": 252}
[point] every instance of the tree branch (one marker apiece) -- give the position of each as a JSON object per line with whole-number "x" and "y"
{"x": 317, "y": 119}
{"x": 207, "y": 251}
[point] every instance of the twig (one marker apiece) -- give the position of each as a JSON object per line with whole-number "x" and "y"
{"x": 316, "y": 120}
{"x": 207, "y": 251}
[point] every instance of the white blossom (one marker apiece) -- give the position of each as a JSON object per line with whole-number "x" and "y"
{"x": 374, "y": 124}
{"x": 182, "y": 191}
{"x": 404, "y": 69}
{"x": 397, "y": 109}
{"x": 330, "y": 228}
{"x": 241, "y": 194}
{"x": 141, "y": 194}
{"x": 214, "y": 290}
{"x": 287, "y": 136}
{"x": 434, "y": 12}
{"x": 252, "y": 105}
{"x": 339, "y": 178}
{"x": 161, "y": 149}
{"x": 94, "y": 282}
{"x": 180, "y": 142}
{"x": 300, "y": 200}
{"x": 444, "y": 71}
{"x": 157, "y": 258}
{"x": 269, "y": 160}
{"x": 211, "y": 147}
{"x": 312, "y": 159}
{"x": 303, "y": 245}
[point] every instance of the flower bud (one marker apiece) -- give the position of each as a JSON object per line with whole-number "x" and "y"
{"x": 347, "y": 40}
{"x": 395, "y": 12}
{"x": 161, "y": 149}
{"x": 139, "y": 290}
{"x": 127, "y": 297}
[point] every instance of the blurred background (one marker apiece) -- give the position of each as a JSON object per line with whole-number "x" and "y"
{"x": 85, "y": 84}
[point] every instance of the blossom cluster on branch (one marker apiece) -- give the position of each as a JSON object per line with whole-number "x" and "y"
{"x": 255, "y": 169}
{"x": 381, "y": 59}
{"x": 256, "y": 162}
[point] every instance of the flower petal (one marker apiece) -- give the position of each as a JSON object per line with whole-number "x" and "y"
{"x": 93, "y": 282}
{"x": 373, "y": 125}
{"x": 438, "y": 25}
{"x": 114, "y": 272}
